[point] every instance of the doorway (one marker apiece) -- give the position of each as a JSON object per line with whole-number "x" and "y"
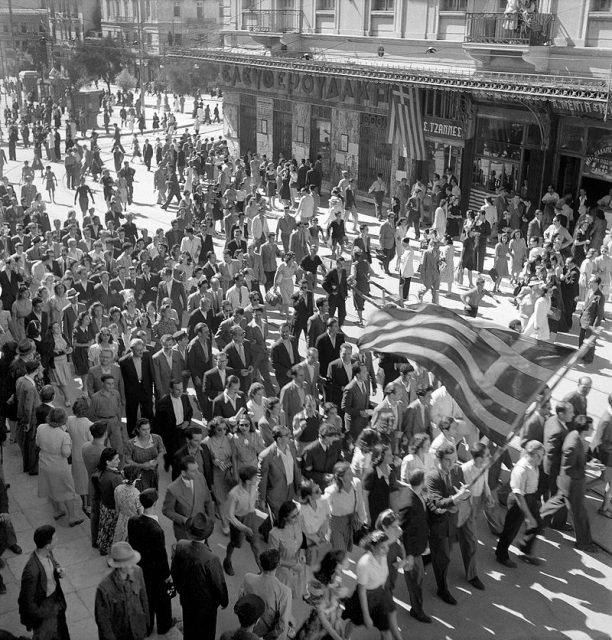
{"x": 568, "y": 176}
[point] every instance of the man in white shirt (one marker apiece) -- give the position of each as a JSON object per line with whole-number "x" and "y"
{"x": 306, "y": 207}
{"x": 238, "y": 294}
{"x": 191, "y": 244}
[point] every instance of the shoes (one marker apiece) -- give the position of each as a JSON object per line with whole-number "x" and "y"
{"x": 57, "y": 516}
{"x": 477, "y": 583}
{"x": 76, "y": 523}
{"x": 447, "y": 597}
{"x": 507, "y": 563}
{"x": 531, "y": 560}
{"x": 225, "y": 531}
{"x": 16, "y": 549}
{"x": 2, "y": 563}
{"x": 2, "y": 588}
{"x": 606, "y": 513}
{"x": 588, "y": 548}
{"x": 564, "y": 527}
{"x": 227, "y": 567}
{"x": 421, "y": 617}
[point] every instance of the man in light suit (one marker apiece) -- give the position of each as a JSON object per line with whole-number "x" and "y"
{"x": 279, "y": 474}
{"x": 106, "y": 366}
{"x": 356, "y": 402}
{"x": 166, "y": 366}
{"x": 284, "y": 355}
{"x": 293, "y": 394}
{"x": 256, "y": 333}
{"x": 592, "y": 315}
{"x": 240, "y": 359}
{"x": 199, "y": 361}
{"x": 187, "y": 496}
{"x": 312, "y": 373}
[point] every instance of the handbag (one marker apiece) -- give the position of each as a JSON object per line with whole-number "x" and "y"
{"x": 554, "y": 314}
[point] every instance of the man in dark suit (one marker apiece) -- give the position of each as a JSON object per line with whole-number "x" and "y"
{"x": 146, "y": 286}
{"x": 303, "y": 305}
{"x": 293, "y": 395}
{"x": 173, "y": 289}
{"x": 137, "y": 374}
{"x": 240, "y": 359}
{"x": 592, "y": 315}
{"x": 275, "y": 484}
{"x": 173, "y": 414}
{"x": 119, "y": 284}
{"x": 198, "y": 576}
{"x": 200, "y": 453}
{"x": 328, "y": 344}
{"x": 84, "y": 287}
{"x": 229, "y": 320}
{"x": 339, "y": 373}
{"x": 186, "y": 497}
{"x": 147, "y": 537}
{"x": 356, "y": 402}
{"x": 147, "y": 154}
{"x": 102, "y": 293}
{"x": 284, "y": 354}
{"x": 71, "y": 313}
{"x": 38, "y": 611}
{"x": 214, "y": 383}
{"x": 199, "y": 361}
{"x": 39, "y": 315}
{"x": 415, "y": 535}
{"x": 535, "y": 228}
{"x": 317, "y": 322}
{"x": 417, "y": 418}
{"x": 336, "y": 286}
{"x": 227, "y": 404}
{"x": 441, "y": 500}
{"x": 203, "y": 313}
{"x": 9, "y": 283}
{"x": 256, "y": 332}
{"x": 320, "y": 456}
{"x": 578, "y": 397}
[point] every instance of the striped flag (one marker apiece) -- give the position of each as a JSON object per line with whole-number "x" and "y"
{"x": 407, "y": 118}
{"x": 491, "y": 372}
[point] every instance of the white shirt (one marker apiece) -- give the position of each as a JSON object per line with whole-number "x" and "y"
{"x": 188, "y": 483}
{"x": 47, "y": 564}
{"x": 349, "y": 370}
{"x": 287, "y": 459}
{"x": 177, "y": 405}
{"x": 406, "y": 269}
{"x": 481, "y": 486}
{"x": 314, "y": 519}
{"x": 238, "y": 296}
{"x": 372, "y": 572}
{"x": 191, "y": 246}
{"x": 524, "y": 478}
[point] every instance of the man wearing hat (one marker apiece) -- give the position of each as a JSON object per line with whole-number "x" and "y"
{"x": 71, "y": 313}
{"x": 198, "y": 577}
{"x": 249, "y": 608}
{"x": 122, "y": 608}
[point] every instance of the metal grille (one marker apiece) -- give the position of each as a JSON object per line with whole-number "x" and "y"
{"x": 374, "y": 150}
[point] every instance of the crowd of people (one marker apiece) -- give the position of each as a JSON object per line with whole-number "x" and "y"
{"x": 280, "y": 443}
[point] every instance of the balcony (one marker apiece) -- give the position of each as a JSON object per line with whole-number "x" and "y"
{"x": 530, "y": 30}
{"x": 266, "y": 21}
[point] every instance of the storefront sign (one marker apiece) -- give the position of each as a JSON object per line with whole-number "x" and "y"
{"x": 341, "y": 90}
{"x": 579, "y": 107}
{"x": 598, "y": 160}
{"x": 437, "y": 128}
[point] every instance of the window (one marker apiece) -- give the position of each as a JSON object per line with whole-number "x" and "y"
{"x": 601, "y": 5}
{"x": 149, "y": 39}
{"x": 455, "y": 5}
{"x": 326, "y": 5}
{"x": 382, "y": 5}
{"x": 285, "y": 4}
{"x": 178, "y": 39}
{"x": 177, "y": 10}
{"x": 200, "y": 10}
{"x": 442, "y": 104}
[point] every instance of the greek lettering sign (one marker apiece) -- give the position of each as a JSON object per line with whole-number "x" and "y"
{"x": 579, "y": 107}
{"x": 598, "y": 160}
{"x": 341, "y": 90}
{"x": 437, "y": 128}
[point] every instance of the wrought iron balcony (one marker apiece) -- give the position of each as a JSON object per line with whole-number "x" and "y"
{"x": 526, "y": 29}
{"x": 269, "y": 21}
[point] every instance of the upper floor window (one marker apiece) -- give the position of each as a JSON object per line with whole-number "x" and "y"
{"x": 601, "y": 5}
{"x": 177, "y": 9}
{"x": 454, "y": 5}
{"x": 326, "y": 5}
{"x": 285, "y": 4}
{"x": 200, "y": 10}
{"x": 382, "y": 5}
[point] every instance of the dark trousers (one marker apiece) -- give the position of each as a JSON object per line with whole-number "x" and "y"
{"x": 405, "y": 287}
{"x": 27, "y": 444}
{"x": 339, "y": 303}
{"x": 440, "y": 559}
{"x": 582, "y": 336}
{"x": 131, "y": 410}
{"x": 160, "y": 605}
{"x": 269, "y": 279}
{"x": 94, "y": 521}
{"x": 12, "y": 152}
{"x": 172, "y": 193}
{"x": 481, "y": 251}
{"x": 199, "y": 623}
{"x": 571, "y": 490}
{"x": 559, "y": 513}
{"x": 8, "y": 538}
{"x": 385, "y": 257}
{"x": 513, "y": 523}
{"x": 414, "y": 584}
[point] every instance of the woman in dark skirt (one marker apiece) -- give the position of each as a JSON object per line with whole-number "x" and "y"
{"x": 379, "y": 482}
{"x": 82, "y": 339}
{"x": 372, "y": 603}
{"x": 469, "y": 248}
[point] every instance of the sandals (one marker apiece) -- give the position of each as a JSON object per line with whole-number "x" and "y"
{"x": 606, "y": 513}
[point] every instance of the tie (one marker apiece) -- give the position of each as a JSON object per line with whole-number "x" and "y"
{"x": 241, "y": 353}
{"x": 290, "y": 351}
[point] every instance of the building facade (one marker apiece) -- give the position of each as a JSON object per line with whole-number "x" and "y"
{"x": 513, "y": 94}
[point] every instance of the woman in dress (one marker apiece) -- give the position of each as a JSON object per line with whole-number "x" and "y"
{"x": 314, "y": 515}
{"x": 500, "y": 261}
{"x": 372, "y": 602}
{"x": 78, "y": 430}
{"x": 54, "y": 478}
{"x": 82, "y": 339}
{"x": 271, "y": 419}
{"x": 57, "y": 303}
{"x": 106, "y": 477}
{"x": 21, "y": 309}
{"x": 165, "y": 324}
{"x": 127, "y": 503}
{"x": 518, "y": 253}
{"x": 448, "y": 256}
{"x": 219, "y": 444}
{"x": 247, "y": 444}
{"x": 360, "y": 280}
{"x": 468, "y": 251}
{"x": 104, "y": 341}
{"x": 439, "y": 221}
{"x": 287, "y": 537}
{"x": 143, "y": 451}
{"x": 537, "y": 327}
{"x": 284, "y": 281}
{"x": 60, "y": 371}
{"x": 345, "y": 498}
{"x": 256, "y": 402}
{"x": 418, "y": 456}
{"x": 362, "y": 453}
{"x": 324, "y": 594}
{"x": 379, "y": 482}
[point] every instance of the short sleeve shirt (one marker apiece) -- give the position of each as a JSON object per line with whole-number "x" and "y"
{"x": 524, "y": 478}
{"x": 372, "y": 572}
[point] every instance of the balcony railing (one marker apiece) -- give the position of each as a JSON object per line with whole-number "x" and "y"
{"x": 269, "y": 21}
{"x": 534, "y": 29}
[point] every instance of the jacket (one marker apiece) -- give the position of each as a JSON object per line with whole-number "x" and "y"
{"x": 554, "y": 435}
{"x": 354, "y": 401}
{"x": 441, "y": 519}
{"x": 335, "y": 284}
{"x": 163, "y": 374}
{"x": 147, "y": 537}
{"x": 273, "y": 487}
{"x": 413, "y": 520}
{"x": 281, "y": 362}
{"x": 180, "y": 504}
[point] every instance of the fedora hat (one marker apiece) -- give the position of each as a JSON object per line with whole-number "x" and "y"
{"x": 122, "y": 555}
{"x": 72, "y": 293}
{"x": 24, "y": 347}
{"x": 199, "y": 527}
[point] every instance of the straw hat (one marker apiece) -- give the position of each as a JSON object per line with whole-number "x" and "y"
{"x": 122, "y": 555}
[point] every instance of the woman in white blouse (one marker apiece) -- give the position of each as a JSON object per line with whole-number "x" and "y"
{"x": 418, "y": 458}
{"x": 314, "y": 514}
{"x": 345, "y": 498}
{"x": 256, "y": 402}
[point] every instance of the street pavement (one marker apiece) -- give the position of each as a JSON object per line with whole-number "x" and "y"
{"x": 569, "y": 596}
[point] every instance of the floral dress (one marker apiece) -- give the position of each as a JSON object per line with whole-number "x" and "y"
{"x": 285, "y": 275}
{"x": 500, "y": 263}
{"x": 288, "y": 541}
{"x": 326, "y": 600}
{"x": 127, "y": 505}
{"x": 247, "y": 448}
{"x": 221, "y": 451}
{"x": 140, "y": 454}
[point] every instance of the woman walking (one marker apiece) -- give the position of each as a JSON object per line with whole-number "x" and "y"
{"x": 143, "y": 452}
{"x": 126, "y": 502}
{"x": 82, "y": 339}
{"x": 59, "y": 368}
{"x": 287, "y": 537}
{"x": 78, "y": 430}
{"x": 219, "y": 444}
{"x": 106, "y": 477}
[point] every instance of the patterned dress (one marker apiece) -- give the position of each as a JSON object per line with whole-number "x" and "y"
{"x": 140, "y": 454}
{"x": 127, "y": 505}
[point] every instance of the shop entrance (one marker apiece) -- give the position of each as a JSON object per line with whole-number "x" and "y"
{"x": 568, "y": 177}
{"x": 595, "y": 189}
{"x": 374, "y": 150}
{"x": 320, "y": 137}
{"x": 247, "y": 123}
{"x": 282, "y": 134}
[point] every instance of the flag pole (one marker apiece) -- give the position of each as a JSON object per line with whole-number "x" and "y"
{"x": 531, "y": 408}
